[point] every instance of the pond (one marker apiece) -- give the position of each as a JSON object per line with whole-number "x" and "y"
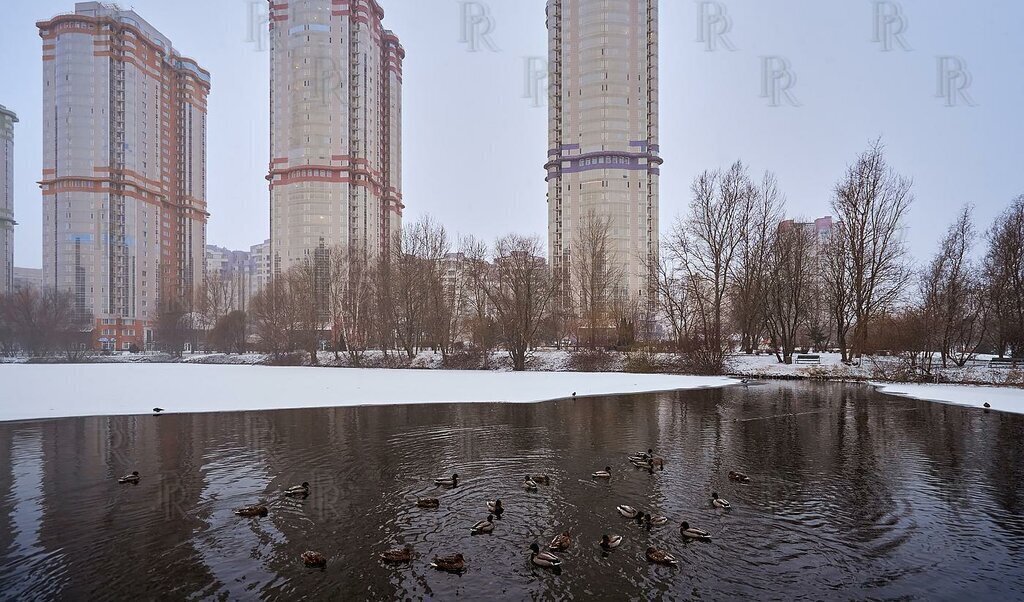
{"x": 853, "y": 494}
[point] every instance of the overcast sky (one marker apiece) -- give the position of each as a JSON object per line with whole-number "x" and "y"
{"x": 474, "y": 146}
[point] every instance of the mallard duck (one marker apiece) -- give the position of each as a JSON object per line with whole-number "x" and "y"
{"x": 659, "y": 556}
{"x": 561, "y": 542}
{"x": 627, "y": 511}
{"x": 693, "y": 532}
{"x": 610, "y": 542}
{"x": 251, "y": 511}
{"x": 640, "y": 518}
{"x": 452, "y": 482}
{"x": 453, "y": 564}
{"x": 397, "y": 554}
{"x": 495, "y": 507}
{"x": 657, "y": 520}
{"x": 641, "y": 463}
{"x": 130, "y": 478}
{"x": 298, "y": 490}
{"x": 603, "y": 474}
{"x": 484, "y": 526}
{"x": 157, "y": 410}
{"x": 544, "y": 559}
{"x": 529, "y": 484}
{"x": 542, "y": 479}
{"x": 738, "y": 476}
{"x": 428, "y": 502}
{"x": 314, "y": 559}
{"x": 718, "y": 502}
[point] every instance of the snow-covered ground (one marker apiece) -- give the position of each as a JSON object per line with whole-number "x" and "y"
{"x": 1003, "y": 399}
{"x": 30, "y": 391}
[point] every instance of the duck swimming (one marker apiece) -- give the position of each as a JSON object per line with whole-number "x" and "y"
{"x": 627, "y": 511}
{"x": 133, "y": 478}
{"x": 397, "y": 554}
{"x": 561, "y": 542}
{"x": 542, "y": 479}
{"x": 298, "y": 490}
{"x": 603, "y": 474}
{"x": 718, "y": 502}
{"x": 659, "y": 556}
{"x": 452, "y": 482}
{"x": 529, "y": 484}
{"x": 495, "y": 507}
{"x": 251, "y": 511}
{"x": 314, "y": 559}
{"x": 693, "y": 532}
{"x": 454, "y": 563}
{"x": 484, "y": 526}
{"x": 738, "y": 476}
{"x": 610, "y": 542}
{"x": 428, "y": 502}
{"x": 543, "y": 559}
{"x": 657, "y": 520}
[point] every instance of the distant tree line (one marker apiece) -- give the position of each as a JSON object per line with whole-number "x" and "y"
{"x": 732, "y": 276}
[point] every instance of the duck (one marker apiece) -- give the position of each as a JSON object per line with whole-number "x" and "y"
{"x": 314, "y": 559}
{"x": 130, "y": 478}
{"x": 657, "y": 520}
{"x": 529, "y": 484}
{"x": 738, "y": 476}
{"x": 251, "y": 511}
{"x": 453, "y": 563}
{"x": 544, "y": 559}
{"x": 627, "y": 511}
{"x": 298, "y": 490}
{"x": 603, "y": 474}
{"x": 428, "y": 502}
{"x": 659, "y": 556}
{"x": 397, "y": 554}
{"x": 986, "y": 405}
{"x": 640, "y": 519}
{"x": 610, "y": 542}
{"x": 452, "y": 482}
{"x": 641, "y": 463}
{"x": 561, "y": 542}
{"x": 693, "y": 532}
{"x": 156, "y": 411}
{"x": 542, "y": 479}
{"x": 484, "y": 526}
{"x": 495, "y": 507}
{"x": 718, "y": 502}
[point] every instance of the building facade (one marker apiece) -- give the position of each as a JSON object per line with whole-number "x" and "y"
{"x": 335, "y": 129}
{"x": 7, "y": 121}
{"x": 603, "y": 135}
{"x": 237, "y": 276}
{"x": 28, "y": 278}
{"x": 124, "y": 169}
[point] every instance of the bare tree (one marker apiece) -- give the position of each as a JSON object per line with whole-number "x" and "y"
{"x": 762, "y": 211}
{"x": 352, "y": 303}
{"x": 1004, "y": 277}
{"x": 273, "y": 316}
{"x": 594, "y": 274}
{"x": 871, "y": 202}
{"x": 953, "y": 302}
{"x": 788, "y": 287}
{"x": 479, "y": 272}
{"x": 704, "y": 246}
{"x": 413, "y": 275}
{"x": 45, "y": 322}
{"x": 837, "y": 288}
{"x": 519, "y": 291}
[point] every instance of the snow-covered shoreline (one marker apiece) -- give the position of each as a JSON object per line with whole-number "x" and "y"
{"x": 1002, "y": 399}
{"x": 38, "y": 391}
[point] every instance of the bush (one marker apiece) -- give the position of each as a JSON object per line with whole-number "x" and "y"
{"x": 590, "y": 360}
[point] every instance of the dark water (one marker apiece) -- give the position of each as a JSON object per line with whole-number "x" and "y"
{"x": 855, "y": 495}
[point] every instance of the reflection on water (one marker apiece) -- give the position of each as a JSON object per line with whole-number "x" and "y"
{"x": 854, "y": 495}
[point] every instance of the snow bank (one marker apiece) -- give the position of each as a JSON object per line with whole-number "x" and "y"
{"x": 30, "y": 391}
{"x": 1003, "y": 399}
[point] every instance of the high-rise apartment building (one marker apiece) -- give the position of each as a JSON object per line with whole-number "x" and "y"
{"x": 603, "y": 134}
{"x": 7, "y": 121}
{"x": 124, "y": 169}
{"x": 335, "y": 129}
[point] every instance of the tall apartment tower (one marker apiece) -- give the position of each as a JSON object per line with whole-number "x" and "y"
{"x": 7, "y": 121}
{"x": 603, "y": 134}
{"x": 335, "y": 129}
{"x": 124, "y": 169}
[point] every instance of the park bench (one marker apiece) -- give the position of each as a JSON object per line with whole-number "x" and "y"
{"x": 1006, "y": 362}
{"x": 807, "y": 358}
